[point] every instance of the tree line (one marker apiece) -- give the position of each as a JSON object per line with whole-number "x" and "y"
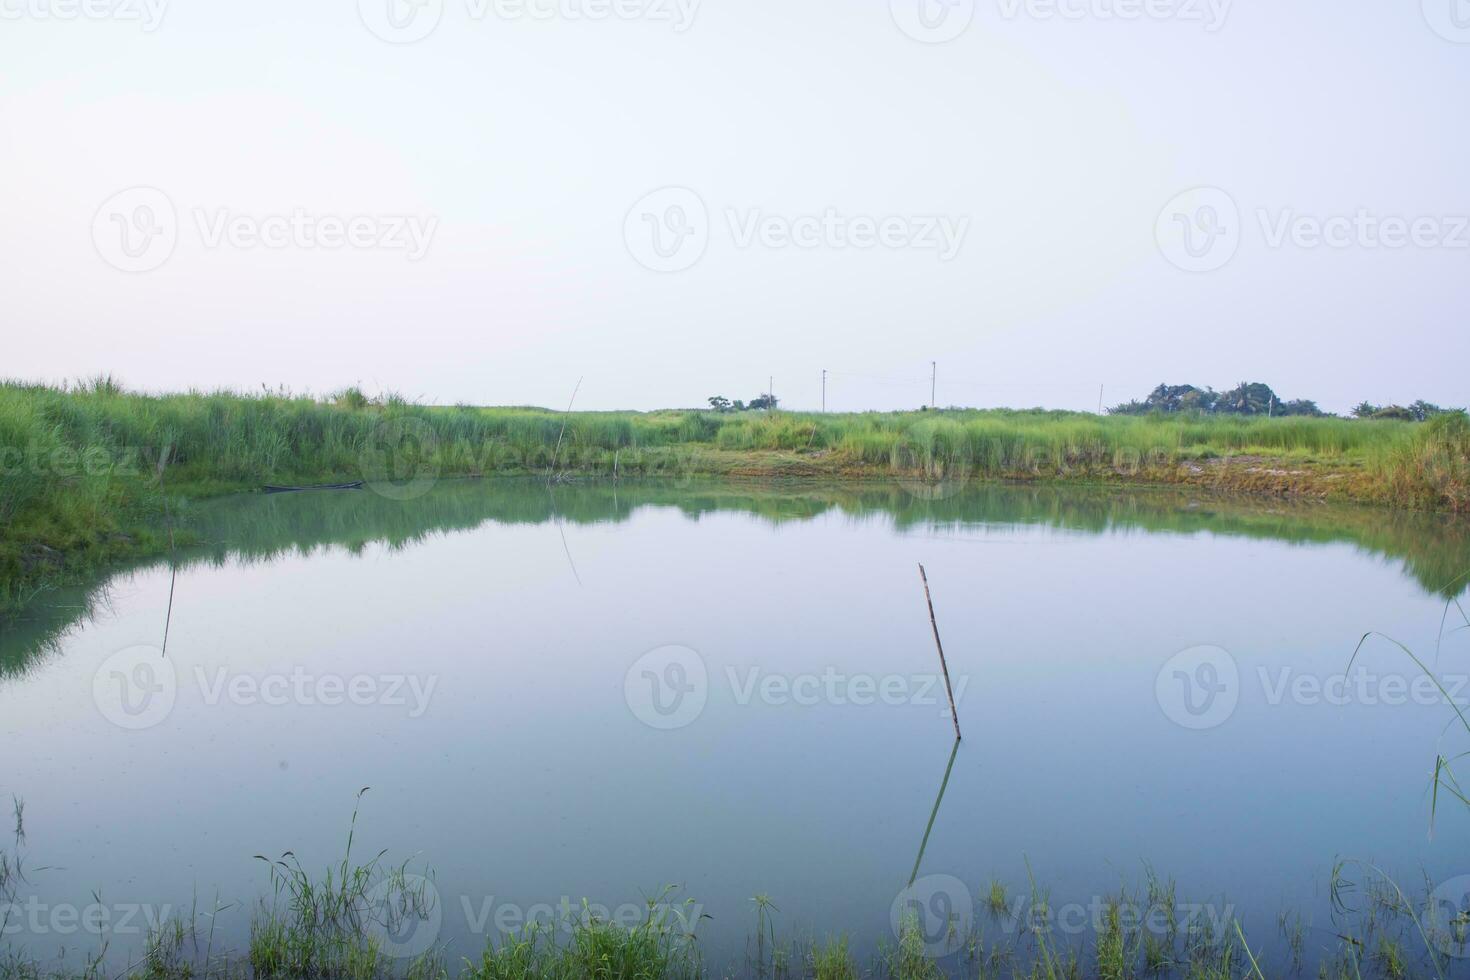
{"x": 1254, "y": 398}
{"x": 1246, "y": 398}
{"x": 721, "y": 404}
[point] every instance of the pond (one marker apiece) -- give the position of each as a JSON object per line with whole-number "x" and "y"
{"x": 601, "y": 690}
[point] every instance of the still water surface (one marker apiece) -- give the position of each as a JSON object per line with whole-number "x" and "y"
{"x": 480, "y": 658}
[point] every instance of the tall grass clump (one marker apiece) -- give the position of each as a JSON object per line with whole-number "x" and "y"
{"x": 657, "y": 948}
{"x": 332, "y": 926}
{"x": 833, "y": 961}
{"x": 1432, "y": 469}
{"x": 910, "y": 960}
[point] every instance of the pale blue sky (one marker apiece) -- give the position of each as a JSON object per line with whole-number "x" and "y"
{"x": 524, "y": 142}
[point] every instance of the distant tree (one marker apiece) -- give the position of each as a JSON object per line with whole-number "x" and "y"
{"x": 1419, "y": 411}
{"x": 1134, "y": 407}
{"x": 739, "y": 405}
{"x": 721, "y": 404}
{"x": 1195, "y": 400}
{"x": 766, "y": 401}
{"x": 1247, "y": 398}
{"x": 1395, "y": 412}
{"x": 1169, "y": 398}
{"x": 1423, "y": 411}
{"x": 1300, "y": 406}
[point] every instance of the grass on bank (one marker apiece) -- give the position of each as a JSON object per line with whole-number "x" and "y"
{"x": 651, "y": 950}
{"x": 84, "y": 468}
{"x": 368, "y": 920}
{"x": 326, "y": 941}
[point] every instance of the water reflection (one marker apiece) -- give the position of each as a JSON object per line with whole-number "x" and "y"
{"x": 1433, "y": 549}
{"x": 929, "y": 827}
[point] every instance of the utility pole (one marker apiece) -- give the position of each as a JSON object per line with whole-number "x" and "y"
{"x": 933, "y": 382}
{"x": 1100, "y": 398}
{"x": 824, "y": 391}
{"x": 771, "y": 388}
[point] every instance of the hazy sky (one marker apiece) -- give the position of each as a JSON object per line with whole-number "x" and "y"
{"x": 484, "y": 200}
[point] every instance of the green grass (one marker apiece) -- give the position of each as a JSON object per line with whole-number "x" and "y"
{"x": 833, "y": 961}
{"x": 651, "y": 950}
{"x": 996, "y": 902}
{"x": 85, "y": 470}
{"x": 322, "y": 928}
{"x": 909, "y": 959}
{"x": 1391, "y": 959}
{"x": 1116, "y": 957}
